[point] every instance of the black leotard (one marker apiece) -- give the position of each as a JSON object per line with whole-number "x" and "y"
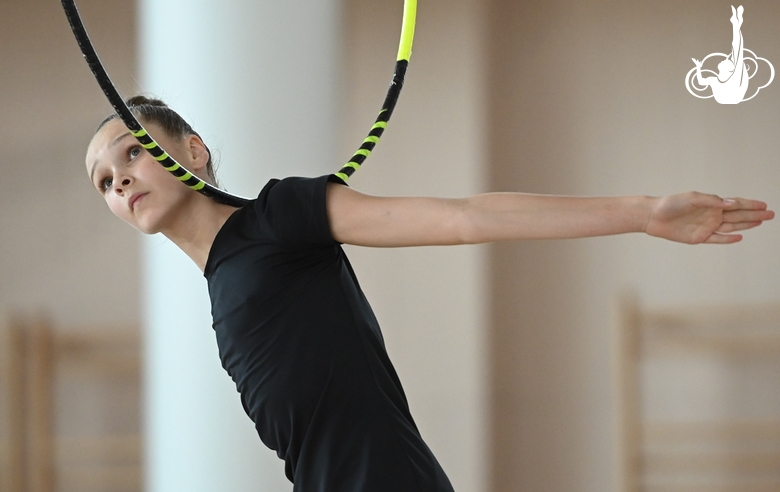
{"x": 298, "y": 337}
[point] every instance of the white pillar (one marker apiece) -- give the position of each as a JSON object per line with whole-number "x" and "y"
{"x": 257, "y": 79}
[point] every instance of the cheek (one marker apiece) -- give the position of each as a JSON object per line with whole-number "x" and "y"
{"x": 168, "y": 188}
{"x": 153, "y": 175}
{"x": 118, "y": 208}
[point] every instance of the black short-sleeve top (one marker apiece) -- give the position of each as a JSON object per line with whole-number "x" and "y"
{"x": 299, "y": 339}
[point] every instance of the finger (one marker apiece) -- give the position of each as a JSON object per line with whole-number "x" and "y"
{"x": 723, "y": 239}
{"x": 743, "y": 204}
{"x": 706, "y": 200}
{"x": 739, "y": 226}
{"x": 748, "y": 215}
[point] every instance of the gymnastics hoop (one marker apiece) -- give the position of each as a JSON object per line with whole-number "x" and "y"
{"x": 402, "y": 63}
{"x": 189, "y": 179}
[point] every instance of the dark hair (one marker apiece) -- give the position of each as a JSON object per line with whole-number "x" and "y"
{"x": 156, "y": 111}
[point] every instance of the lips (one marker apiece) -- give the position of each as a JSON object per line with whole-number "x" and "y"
{"x": 134, "y": 199}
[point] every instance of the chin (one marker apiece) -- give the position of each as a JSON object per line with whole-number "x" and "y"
{"x": 144, "y": 226}
{"x": 149, "y": 227}
{"x": 148, "y": 230}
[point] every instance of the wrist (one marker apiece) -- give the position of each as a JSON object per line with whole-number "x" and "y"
{"x": 643, "y": 212}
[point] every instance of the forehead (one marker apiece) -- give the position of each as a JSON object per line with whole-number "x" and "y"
{"x": 109, "y": 132}
{"x": 102, "y": 140}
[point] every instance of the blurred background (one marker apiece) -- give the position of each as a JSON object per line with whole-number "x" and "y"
{"x": 513, "y": 355}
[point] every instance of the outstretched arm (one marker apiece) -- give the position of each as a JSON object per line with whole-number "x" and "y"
{"x": 692, "y": 218}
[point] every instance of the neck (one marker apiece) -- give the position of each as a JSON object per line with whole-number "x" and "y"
{"x": 197, "y": 226}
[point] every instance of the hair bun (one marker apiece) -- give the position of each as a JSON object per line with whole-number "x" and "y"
{"x": 145, "y": 101}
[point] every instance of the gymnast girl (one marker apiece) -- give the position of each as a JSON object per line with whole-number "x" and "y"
{"x": 293, "y": 328}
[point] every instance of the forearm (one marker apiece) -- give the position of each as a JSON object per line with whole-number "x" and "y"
{"x": 511, "y": 216}
{"x": 367, "y": 220}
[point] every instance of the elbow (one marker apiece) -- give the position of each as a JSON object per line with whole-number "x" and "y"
{"x": 454, "y": 227}
{"x": 466, "y": 228}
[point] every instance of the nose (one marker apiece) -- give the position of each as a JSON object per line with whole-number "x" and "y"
{"x": 122, "y": 184}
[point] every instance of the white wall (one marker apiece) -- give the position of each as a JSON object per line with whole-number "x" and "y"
{"x": 257, "y": 80}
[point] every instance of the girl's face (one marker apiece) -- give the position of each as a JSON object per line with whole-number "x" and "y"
{"x": 135, "y": 186}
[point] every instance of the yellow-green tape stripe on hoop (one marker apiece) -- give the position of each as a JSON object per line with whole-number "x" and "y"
{"x": 407, "y": 33}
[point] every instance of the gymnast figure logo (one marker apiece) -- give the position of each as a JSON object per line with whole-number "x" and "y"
{"x": 730, "y": 84}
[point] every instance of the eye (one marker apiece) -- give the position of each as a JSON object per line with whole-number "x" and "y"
{"x": 105, "y": 184}
{"x": 134, "y": 151}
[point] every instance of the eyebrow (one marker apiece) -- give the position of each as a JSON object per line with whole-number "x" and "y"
{"x": 112, "y": 144}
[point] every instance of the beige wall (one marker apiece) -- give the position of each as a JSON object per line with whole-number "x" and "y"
{"x": 62, "y": 253}
{"x": 61, "y": 250}
{"x": 588, "y": 98}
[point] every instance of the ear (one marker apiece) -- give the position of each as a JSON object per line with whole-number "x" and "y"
{"x": 198, "y": 154}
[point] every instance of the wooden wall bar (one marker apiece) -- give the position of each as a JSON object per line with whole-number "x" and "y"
{"x": 62, "y": 393}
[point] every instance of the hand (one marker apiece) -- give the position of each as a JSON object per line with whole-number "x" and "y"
{"x": 697, "y": 62}
{"x": 695, "y": 218}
